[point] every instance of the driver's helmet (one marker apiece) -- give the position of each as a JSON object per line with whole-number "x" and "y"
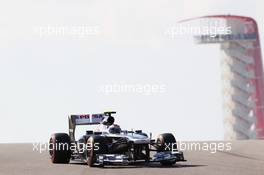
{"x": 114, "y": 129}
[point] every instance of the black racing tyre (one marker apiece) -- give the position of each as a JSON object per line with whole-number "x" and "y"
{"x": 166, "y": 142}
{"x": 147, "y": 151}
{"x": 97, "y": 145}
{"x": 59, "y": 148}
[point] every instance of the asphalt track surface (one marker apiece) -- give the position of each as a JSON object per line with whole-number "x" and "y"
{"x": 245, "y": 158}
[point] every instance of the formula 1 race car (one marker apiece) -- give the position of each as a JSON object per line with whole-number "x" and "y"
{"x": 110, "y": 145}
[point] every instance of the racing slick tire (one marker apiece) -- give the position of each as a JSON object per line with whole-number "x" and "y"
{"x": 59, "y": 148}
{"x": 97, "y": 145}
{"x": 166, "y": 142}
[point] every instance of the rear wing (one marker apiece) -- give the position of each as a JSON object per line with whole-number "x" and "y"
{"x": 85, "y": 119}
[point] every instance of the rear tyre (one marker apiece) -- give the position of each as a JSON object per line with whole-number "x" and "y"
{"x": 59, "y": 148}
{"x": 166, "y": 142}
{"x": 97, "y": 145}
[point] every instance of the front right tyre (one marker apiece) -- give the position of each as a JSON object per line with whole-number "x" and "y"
{"x": 97, "y": 145}
{"x": 59, "y": 148}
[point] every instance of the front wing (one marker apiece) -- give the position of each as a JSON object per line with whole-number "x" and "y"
{"x": 109, "y": 159}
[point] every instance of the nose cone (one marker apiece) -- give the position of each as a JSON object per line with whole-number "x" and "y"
{"x": 139, "y": 139}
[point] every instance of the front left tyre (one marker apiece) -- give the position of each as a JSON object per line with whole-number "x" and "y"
{"x": 59, "y": 148}
{"x": 166, "y": 142}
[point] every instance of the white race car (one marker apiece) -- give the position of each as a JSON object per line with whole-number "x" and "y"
{"x": 109, "y": 144}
